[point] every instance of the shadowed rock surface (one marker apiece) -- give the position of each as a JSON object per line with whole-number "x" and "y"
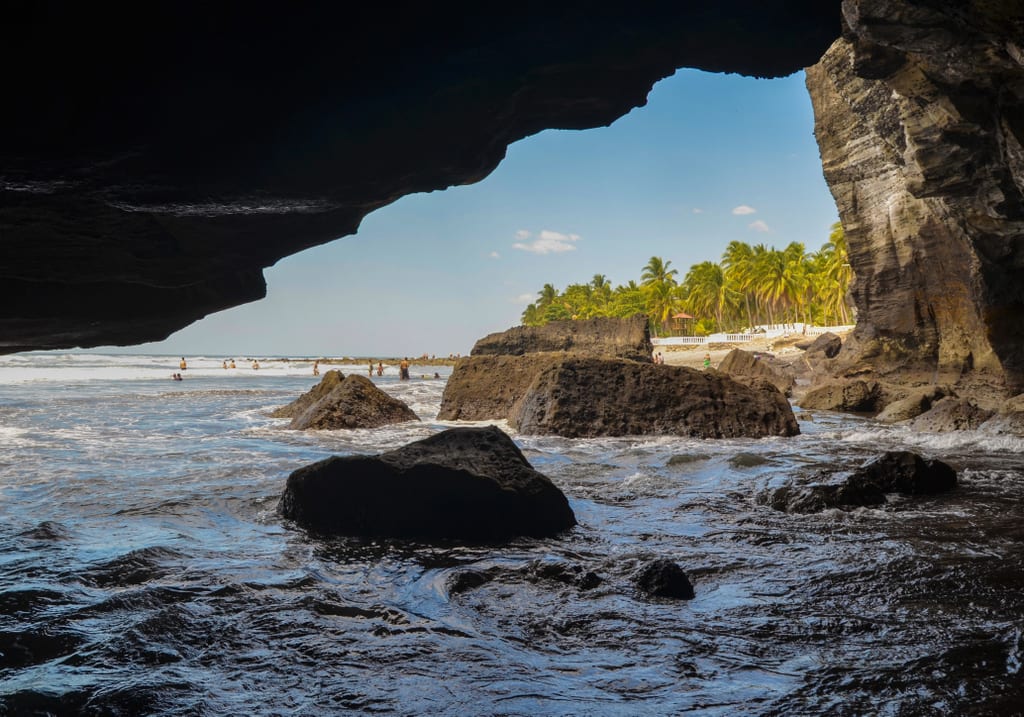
{"x": 827, "y": 345}
{"x": 893, "y": 472}
{"x": 919, "y": 115}
{"x": 628, "y": 338}
{"x": 148, "y": 176}
{"x": 579, "y": 398}
{"x": 354, "y": 402}
{"x": 485, "y": 388}
{"x": 742, "y": 365}
{"x": 464, "y": 483}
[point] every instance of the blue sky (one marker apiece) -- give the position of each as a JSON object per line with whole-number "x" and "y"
{"x": 709, "y": 159}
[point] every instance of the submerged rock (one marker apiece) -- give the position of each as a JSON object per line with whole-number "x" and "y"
{"x": 742, "y": 365}
{"x": 663, "y": 578}
{"x": 352, "y": 402}
{"x": 900, "y": 472}
{"x": 580, "y": 398}
{"x": 464, "y": 483}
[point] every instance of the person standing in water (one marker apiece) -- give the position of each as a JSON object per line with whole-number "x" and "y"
{"x": 370, "y": 372}
{"x": 316, "y": 368}
{"x": 403, "y": 369}
{"x": 233, "y": 364}
{"x": 255, "y": 365}
{"x": 183, "y": 365}
{"x": 380, "y": 368}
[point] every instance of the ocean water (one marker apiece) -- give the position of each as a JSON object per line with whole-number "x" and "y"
{"x": 144, "y": 569}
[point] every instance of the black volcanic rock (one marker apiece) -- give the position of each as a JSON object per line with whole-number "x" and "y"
{"x": 352, "y": 402}
{"x": 743, "y": 365}
{"x": 664, "y": 578}
{"x": 464, "y": 483}
{"x": 579, "y": 398}
{"x": 900, "y": 472}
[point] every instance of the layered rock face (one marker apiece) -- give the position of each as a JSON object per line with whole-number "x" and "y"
{"x": 148, "y": 175}
{"x": 919, "y": 114}
{"x": 628, "y": 338}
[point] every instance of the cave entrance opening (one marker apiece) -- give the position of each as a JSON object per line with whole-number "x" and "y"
{"x": 710, "y": 160}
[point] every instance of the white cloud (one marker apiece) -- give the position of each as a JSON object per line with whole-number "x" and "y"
{"x": 759, "y": 226}
{"x": 547, "y": 242}
{"x": 524, "y": 299}
{"x": 698, "y": 210}
{"x": 743, "y": 209}
{"x": 523, "y": 235}
{"x": 494, "y": 255}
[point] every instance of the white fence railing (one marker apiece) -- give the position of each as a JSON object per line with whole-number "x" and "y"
{"x": 761, "y": 332}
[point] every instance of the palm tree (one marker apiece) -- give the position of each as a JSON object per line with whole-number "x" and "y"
{"x": 738, "y": 263}
{"x": 708, "y": 292}
{"x": 657, "y": 272}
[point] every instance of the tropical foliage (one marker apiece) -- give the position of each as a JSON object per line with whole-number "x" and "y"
{"x": 749, "y": 286}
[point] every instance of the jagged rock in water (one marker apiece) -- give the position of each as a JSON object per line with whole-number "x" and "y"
{"x": 912, "y": 406}
{"x": 331, "y": 380}
{"x": 580, "y": 398}
{"x": 893, "y": 472}
{"x": 354, "y": 402}
{"x": 742, "y": 365}
{"x": 918, "y": 118}
{"x": 464, "y": 483}
{"x": 952, "y": 414}
{"x": 628, "y": 338}
{"x": 855, "y": 396}
{"x": 663, "y": 578}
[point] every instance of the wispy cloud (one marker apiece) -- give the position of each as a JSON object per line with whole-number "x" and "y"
{"x": 759, "y": 226}
{"x": 494, "y": 255}
{"x": 743, "y": 209}
{"x": 524, "y": 299}
{"x": 698, "y": 210}
{"x": 545, "y": 242}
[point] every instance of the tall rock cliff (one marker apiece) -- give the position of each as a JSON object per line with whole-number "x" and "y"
{"x": 919, "y": 114}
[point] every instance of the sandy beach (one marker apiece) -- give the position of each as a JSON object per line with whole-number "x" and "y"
{"x": 693, "y": 355}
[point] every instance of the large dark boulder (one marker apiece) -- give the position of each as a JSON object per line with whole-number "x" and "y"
{"x": 899, "y": 472}
{"x": 354, "y": 402}
{"x": 628, "y": 338}
{"x": 483, "y": 388}
{"x": 464, "y": 483}
{"x": 580, "y": 398}
{"x": 744, "y": 365}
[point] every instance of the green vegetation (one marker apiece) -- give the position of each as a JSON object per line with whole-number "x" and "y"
{"x": 751, "y": 285}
